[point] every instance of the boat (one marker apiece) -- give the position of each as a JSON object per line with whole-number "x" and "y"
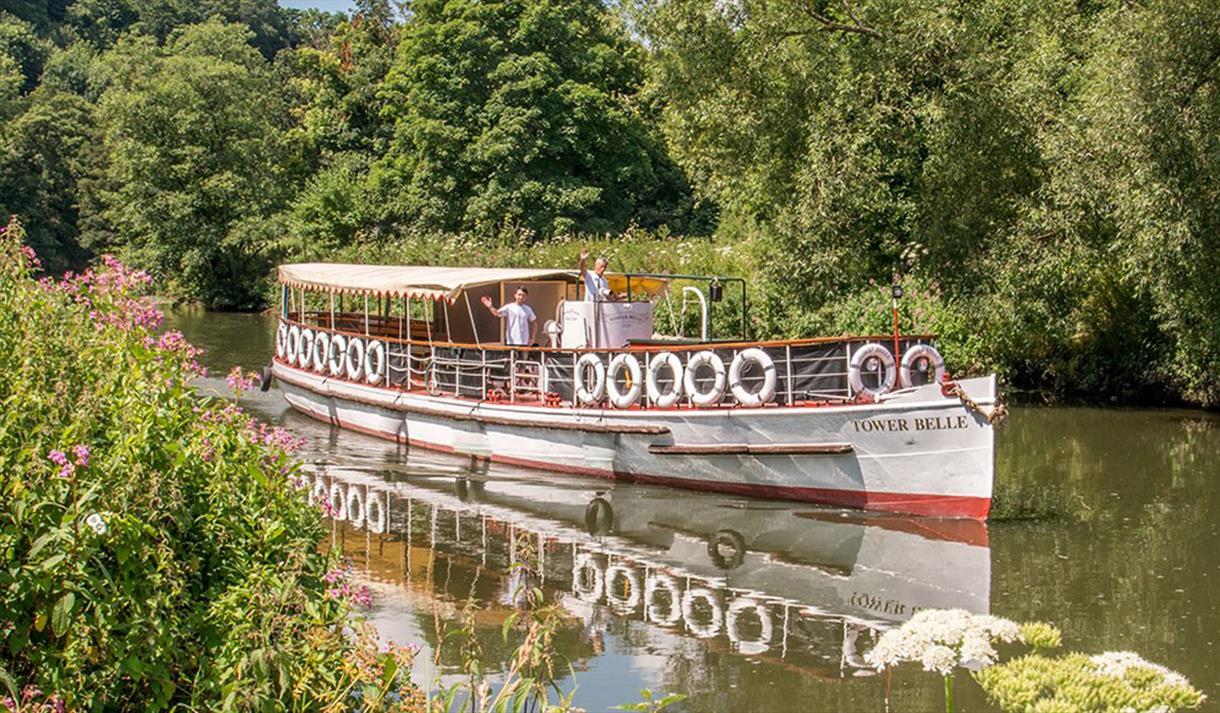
{"x": 418, "y": 355}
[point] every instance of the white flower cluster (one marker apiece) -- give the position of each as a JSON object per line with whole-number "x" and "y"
{"x": 1116, "y": 663}
{"x": 941, "y": 639}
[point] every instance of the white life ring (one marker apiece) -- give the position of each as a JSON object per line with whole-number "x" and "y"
{"x": 355, "y": 506}
{"x": 915, "y": 353}
{"x": 743, "y": 395}
{"x": 739, "y": 606}
{"x": 321, "y": 349}
{"x": 281, "y": 340}
{"x": 380, "y": 502}
{"x": 624, "y": 399}
{"x": 652, "y": 585}
{"x": 863, "y": 354}
{"x": 596, "y": 586}
{"x": 336, "y": 355}
{"x": 627, "y": 604}
{"x": 374, "y": 361}
{"x": 655, "y": 365}
{"x": 294, "y": 344}
{"x": 355, "y": 358}
{"x": 338, "y": 501}
{"x": 703, "y": 631}
{"x": 713, "y": 395}
{"x": 305, "y": 353}
{"x": 584, "y": 394}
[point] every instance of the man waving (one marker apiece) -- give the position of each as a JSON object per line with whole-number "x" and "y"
{"x": 519, "y": 332}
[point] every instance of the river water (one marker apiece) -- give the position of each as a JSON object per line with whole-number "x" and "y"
{"x": 749, "y": 605}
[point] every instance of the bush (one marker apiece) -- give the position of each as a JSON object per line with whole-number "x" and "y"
{"x": 155, "y": 548}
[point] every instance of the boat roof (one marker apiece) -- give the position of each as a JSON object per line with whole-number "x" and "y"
{"x": 429, "y": 281}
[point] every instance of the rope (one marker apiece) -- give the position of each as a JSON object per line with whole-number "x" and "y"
{"x": 996, "y": 416}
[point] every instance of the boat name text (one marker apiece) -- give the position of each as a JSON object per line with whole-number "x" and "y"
{"x": 923, "y": 423}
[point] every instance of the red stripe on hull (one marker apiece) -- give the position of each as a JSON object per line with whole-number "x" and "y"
{"x": 952, "y": 506}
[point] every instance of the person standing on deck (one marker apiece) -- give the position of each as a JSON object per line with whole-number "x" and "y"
{"x": 519, "y": 332}
{"x": 597, "y": 288}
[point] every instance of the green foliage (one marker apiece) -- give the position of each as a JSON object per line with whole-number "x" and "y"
{"x": 155, "y": 550}
{"x": 199, "y": 161}
{"x": 20, "y": 45}
{"x": 651, "y": 704}
{"x": 1038, "y": 684}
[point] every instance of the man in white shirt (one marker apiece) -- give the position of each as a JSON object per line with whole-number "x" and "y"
{"x": 597, "y": 288}
{"x": 519, "y": 332}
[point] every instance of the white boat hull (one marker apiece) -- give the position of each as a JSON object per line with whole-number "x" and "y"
{"x": 916, "y": 451}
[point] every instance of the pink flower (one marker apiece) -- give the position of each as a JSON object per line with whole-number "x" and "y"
{"x": 59, "y": 458}
{"x": 82, "y": 455}
{"x": 242, "y": 382}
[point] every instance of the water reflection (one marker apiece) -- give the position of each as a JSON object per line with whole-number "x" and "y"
{"x": 797, "y": 587}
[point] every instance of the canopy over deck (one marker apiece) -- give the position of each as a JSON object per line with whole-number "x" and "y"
{"x": 422, "y": 281}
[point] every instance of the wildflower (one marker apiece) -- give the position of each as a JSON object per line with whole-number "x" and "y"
{"x": 334, "y": 576}
{"x": 97, "y": 522}
{"x": 82, "y": 455}
{"x": 943, "y": 639}
{"x": 1116, "y": 664}
{"x": 59, "y": 458}
{"x": 240, "y": 382}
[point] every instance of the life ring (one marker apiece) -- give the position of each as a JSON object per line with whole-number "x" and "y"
{"x": 736, "y": 609}
{"x": 377, "y": 523}
{"x": 355, "y": 506}
{"x": 355, "y": 358}
{"x": 592, "y": 590}
{"x": 599, "y": 517}
{"x": 338, "y": 501}
{"x": 712, "y": 395}
{"x": 624, "y": 399}
{"x": 294, "y": 344}
{"x": 655, "y": 396}
{"x": 912, "y": 356}
{"x": 703, "y": 631}
{"x": 744, "y": 396}
{"x": 652, "y": 585}
{"x": 281, "y": 340}
{"x": 627, "y": 604}
{"x": 305, "y": 354}
{"x": 336, "y": 355}
{"x": 863, "y": 355}
{"x": 718, "y": 558}
{"x": 321, "y": 349}
{"x": 584, "y": 394}
{"x": 374, "y": 361}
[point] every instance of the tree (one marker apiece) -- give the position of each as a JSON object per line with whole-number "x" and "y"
{"x": 523, "y": 114}
{"x": 200, "y": 160}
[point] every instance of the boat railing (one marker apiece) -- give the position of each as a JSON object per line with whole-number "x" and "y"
{"x": 806, "y": 371}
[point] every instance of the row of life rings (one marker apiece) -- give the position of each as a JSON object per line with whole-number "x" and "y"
{"x": 331, "y": 353}
{"x": 369, "y": 510}
{"x": 876, "y": 358}
{"x": 595, "y": 381}
{"x": 620, "y": 585}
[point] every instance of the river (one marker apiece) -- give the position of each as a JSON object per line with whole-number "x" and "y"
{"x": 748, "y": 605}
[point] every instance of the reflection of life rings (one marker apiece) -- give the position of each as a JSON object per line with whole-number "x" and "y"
{"x": 740, "y": 605}
{"x": 703, "y": 631}
{"x": 655, "y": 365}
{"x": 380, "y": 502}
{"x": 281, "y": 340}
{"x": 321, "y": 349}
{"x": 917, "y": 353}
{"x": 657, "y": 582}
{"x": 305, "y": 354}
{"x": 294, "y": 344}
{"x": 869, "y": 356}
{"x": 338, "y": 501}
{"x": 627, "y": 604}
{"x": 336, "y": 356}
{"x": 732, "y": 538}
{"x": 592, "y": 590}
{"x": 635, "y": 381}
{"x": 599, "y": 517}
{"x": 584, "y": 393}
{"x": 744, "y": 396}
{"x": 689, "y": 382}
{"x": 355, "y": 358}
{"x": 318, "y": 490}
{"x": 374, "y": 361}
{"x": 355, "y": 506}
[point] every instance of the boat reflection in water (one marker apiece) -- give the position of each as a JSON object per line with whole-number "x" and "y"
{"x": 807, "y": 588}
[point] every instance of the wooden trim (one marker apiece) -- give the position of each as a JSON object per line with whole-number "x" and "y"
{"x": 744, "y": 449}
{"x": 626, "y": 428}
